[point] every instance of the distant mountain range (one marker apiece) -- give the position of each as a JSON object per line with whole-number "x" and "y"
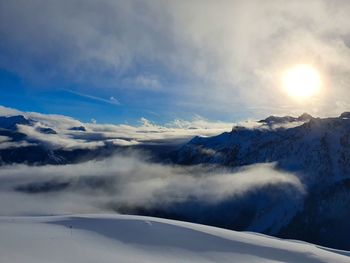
{"x": 19, "y": 145}
{"x": 317, "y": 150}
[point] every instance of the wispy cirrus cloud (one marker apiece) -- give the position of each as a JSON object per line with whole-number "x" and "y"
{"x": 112, "y": 100}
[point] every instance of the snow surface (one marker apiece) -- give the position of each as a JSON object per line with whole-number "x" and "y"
{"x": 124, "y": 238}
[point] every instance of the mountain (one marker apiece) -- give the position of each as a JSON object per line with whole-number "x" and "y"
{"x": 46, "y": 130}
{"x": 117, "y": 238}
{"x": 28, "y": 141}
{"x": 318, "y": 148}
{"x": 79, "y": 128}
{"x": 317, "y": 151}
{"x": 11, "y": 122}
{"x": 286, "y": 119}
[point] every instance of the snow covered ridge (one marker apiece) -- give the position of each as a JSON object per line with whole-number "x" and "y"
{"x": 317, "y": 151}
{"x": 124, "y": 238}
{"x": 317, "y": 146}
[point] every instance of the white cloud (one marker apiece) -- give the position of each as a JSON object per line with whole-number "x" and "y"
{"x": 145, "y": 82}
{"x": 114, "y": 100}
{"x": 11, "y": 145}
{"x": 6, "y": 143}
{"x": 5, "y": 111}
{"x": 4, "y": 138}
{"x": 96, "y": 135}
{"x": 57, "y": 141}
{"x": 231, "y": 52}
{"x": 130, "y": 181}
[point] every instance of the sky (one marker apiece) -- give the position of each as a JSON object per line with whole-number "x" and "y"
{"x": 119, "y": 61}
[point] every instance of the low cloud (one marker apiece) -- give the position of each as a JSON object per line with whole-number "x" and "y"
{"x": 130, "y": 181}
{"x": 58, "y": 141}
{"x": 6, "y": 143}
{"x": 97, "y": 135}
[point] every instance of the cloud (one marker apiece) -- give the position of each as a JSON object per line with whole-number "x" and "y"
{"x": 5, "y": 111}
{"x": 99, "y": 135}
{"x": 4, "y": 138}
{"x": 11, "y": 145}
{"x": 6, "y": 143}
{"x": 59, "y": 122}
{"x": 222, "y": 56}
{"x": 58, "y": 141}
{"x": 118, "y": 134}
{"x": 114, "y": 100}
{"x": 144, "y": 82}
{"x": 130, "y": 181}
{"x": 111, "y": 100}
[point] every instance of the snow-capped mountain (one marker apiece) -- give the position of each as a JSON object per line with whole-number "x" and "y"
{"x": 32, "y": 141}
{"x": 316, "y": 147}
{"x": 11, "y": 122}
{"x": 317, "y": 151}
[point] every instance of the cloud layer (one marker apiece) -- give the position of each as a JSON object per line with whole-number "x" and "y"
{"x": 97, "y": 135}
{"x": 208, "y": 56}
{"x": 129, "y": 181}
{"x": 65, "y": 132}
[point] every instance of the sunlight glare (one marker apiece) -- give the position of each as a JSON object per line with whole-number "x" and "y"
{"x": 301, "y": 81}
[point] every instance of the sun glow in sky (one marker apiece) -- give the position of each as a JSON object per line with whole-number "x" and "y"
{"x": 120, "y": 61}
{"x": 301, "y": 81}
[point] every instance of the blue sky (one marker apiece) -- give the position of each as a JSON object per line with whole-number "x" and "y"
{"x": 118, "y": 61}
{"x": 102, "y": 106}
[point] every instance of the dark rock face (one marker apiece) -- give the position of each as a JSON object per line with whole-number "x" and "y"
{"x": 80, "y": 128}
{"x": 10, "y": 123}
{"x": 286, "y": 119}
{"x": 305, "y": 117}
{"x": 345, "y": 115}
{"x": 46, "y": 130}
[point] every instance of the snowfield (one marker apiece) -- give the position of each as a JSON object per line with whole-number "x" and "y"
{"x": 124, "y": 238}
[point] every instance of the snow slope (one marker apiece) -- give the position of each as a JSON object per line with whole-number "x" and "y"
{"x": 120, "y": 238}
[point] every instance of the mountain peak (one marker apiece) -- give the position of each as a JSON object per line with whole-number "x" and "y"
{"x": 277, "y": 120}
{"x": 305, "y": 117}
{"x": 345, "y": 115}
{"x": 78, "y": 128}
{"x": 11, "y": 122}
{"x": 285, "y": 119}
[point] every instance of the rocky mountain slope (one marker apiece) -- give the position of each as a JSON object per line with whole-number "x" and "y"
{"x": 317, "y": 151}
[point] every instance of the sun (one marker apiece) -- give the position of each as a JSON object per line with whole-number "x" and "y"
{"x": 301, "y": 81}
